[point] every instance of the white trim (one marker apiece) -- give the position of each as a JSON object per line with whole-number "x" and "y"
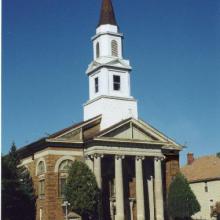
{"x": 123, "y": 151}
{"x": 109, "y": 97}
{"x": 132, "y": 141}
{"x": 150, "y": 130}
{"x": 60, "y": 160}
{"x": 54, "y": 140}
{"x": 36, "y": 168}
{"x": 108, "y": 33}
{"x": 51, "y": 152}
{"x": 156, "y": 132}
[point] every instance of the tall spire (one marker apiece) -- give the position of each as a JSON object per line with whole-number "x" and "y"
{"x": 107, "y": 15}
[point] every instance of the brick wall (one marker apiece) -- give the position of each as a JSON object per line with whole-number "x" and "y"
{"x": 51, "y": 202}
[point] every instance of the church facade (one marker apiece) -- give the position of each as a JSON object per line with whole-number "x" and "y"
{"x": 133, "y": 162}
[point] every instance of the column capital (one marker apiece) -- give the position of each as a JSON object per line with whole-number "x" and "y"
{"x": 140, "y": 157}
{"x": 117, "y": 157}
{"x": 88, "y": 157}
{"x": 159, "y": 158}
{"x": 97, "y": 155}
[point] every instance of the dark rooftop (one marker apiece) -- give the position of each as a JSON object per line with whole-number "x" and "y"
{"x": 107, "y": 15}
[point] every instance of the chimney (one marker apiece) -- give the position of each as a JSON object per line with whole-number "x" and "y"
{"x": 190, "y": 158}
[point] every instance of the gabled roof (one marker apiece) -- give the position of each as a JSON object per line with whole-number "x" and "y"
{"x": 82, "y": 134}
{"x": 202, "y": 169}
{"x": 107, "y": 15}
{"x": 67, "y": 137}
{"x": 71, "y": 133}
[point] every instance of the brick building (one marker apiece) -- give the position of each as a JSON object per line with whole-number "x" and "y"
{"x": 133, "y": 162}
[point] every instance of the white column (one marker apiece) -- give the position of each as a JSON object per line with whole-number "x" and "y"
{"x": 139, "y": 188}
{"x": 111, "y": 209}
{"x": 98, "y": 169}
{"x": 150, "y": 187}
{"x": 131, "y": 200}
{"x": 89, "y": 162}
{"x": 158, "y": 189}
{"x": 119, "y": 188}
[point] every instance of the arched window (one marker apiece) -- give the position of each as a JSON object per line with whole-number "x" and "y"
{"x": 114, "y": 45}
{"x": 65, "y": 165}
{"x": 40, "y": 168}
{"x": 97, "y": 50}
{"x": 63, "y": 174}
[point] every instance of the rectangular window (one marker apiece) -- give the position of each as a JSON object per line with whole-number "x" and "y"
{"x": 41, "y": 188}
{"x": 206, "y": 187}
{"x": 96, "y": 84}
{"x": 62, "y": 186}
{"x": 116, "y": 82}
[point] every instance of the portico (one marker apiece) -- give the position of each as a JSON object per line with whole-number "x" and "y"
{"x": 143, "y": 180}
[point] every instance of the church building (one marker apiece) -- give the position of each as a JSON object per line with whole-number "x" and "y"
{"x": 132, "y": 161}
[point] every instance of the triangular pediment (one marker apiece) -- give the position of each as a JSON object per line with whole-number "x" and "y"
{"x": 106, "y": 61}
{"x": 119, "y": 63}
{"x": 77, "y": 132}
{"x": 129, "y": 131}
{"x": 72, "y": 135}
{"x": 136, "y": 130}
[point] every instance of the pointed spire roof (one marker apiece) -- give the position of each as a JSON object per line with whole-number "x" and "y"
{"x": 107, "y": 15}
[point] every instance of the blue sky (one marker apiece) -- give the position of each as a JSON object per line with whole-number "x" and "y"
{"x": 173, "y": 46}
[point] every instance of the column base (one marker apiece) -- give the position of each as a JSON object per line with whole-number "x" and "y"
{"x": 140, "y": 217}
{"x": 119, "y": 217}
{"x": 159, "y": 217}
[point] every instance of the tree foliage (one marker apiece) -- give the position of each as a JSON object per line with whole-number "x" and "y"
{"x": 17, "y": 189}
{"x": 182, "y": 202}
{"x": 82, "y": 192}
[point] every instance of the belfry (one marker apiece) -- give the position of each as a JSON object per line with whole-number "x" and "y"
{"x": 109, "y": 74}
{"x": 133, "y": 162}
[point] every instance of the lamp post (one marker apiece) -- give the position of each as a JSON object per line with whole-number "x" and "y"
{"x": 65, "y": 205}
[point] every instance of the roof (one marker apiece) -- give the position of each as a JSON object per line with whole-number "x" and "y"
{"x": 47, "y": 141}
{"x": 202, "y": 169}
{"x": 107, "y": 15}
{"x": 86, "y": 133}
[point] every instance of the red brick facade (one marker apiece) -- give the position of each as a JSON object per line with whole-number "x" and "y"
{"x": 50, "y": 204}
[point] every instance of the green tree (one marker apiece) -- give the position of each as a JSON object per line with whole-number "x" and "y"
{"x": 17, "y": 189}
{"x": 182, "y": 202}
{"x": 82, "y": 191}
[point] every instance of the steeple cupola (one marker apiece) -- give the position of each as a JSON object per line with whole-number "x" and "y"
{"x": 109, "y": 73}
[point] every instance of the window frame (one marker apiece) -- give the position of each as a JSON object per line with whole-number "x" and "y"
{"x": 114, "y": 48}
{"x": 62, "y": 176}
{"x": 96, "y": 84}
{"x": 62, "y": 183}
{"x": 116, "y": 83}
{"x": 41, "y": 188}
{"x": 41, "y": 168}
{"x": 206, "y": 187}
{"x": 97, "y": 50}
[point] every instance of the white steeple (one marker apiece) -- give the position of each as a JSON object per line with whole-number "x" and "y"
{"x": 109, "y": 74}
